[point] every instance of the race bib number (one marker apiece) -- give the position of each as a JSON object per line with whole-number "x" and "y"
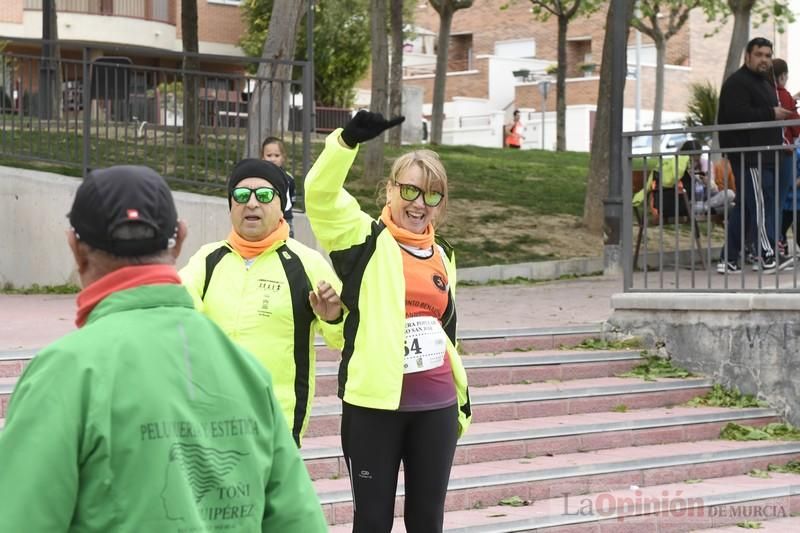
{"x": 426, "y": 344}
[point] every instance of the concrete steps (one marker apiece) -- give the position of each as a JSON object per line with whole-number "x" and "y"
{"x": 555, "y": 429}
{"x": 670, "y": 507}
{"x": 526, "y": 400}
{"x": 548, "y": 477}
{"x": 521, "y": 439}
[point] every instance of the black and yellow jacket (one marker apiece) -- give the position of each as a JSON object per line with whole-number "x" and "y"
{"x": 368, "y": 260}
{"x": 265, "y": 308}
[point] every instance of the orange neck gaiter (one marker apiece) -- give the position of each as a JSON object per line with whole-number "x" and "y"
{"x": 251, "y": 249}
{"x": 119, "y": 280}
{"x": 403, "y": 236}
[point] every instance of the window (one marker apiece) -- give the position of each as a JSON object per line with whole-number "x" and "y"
{"x": 647, "y": 54}
{"x": 520, "y": 48}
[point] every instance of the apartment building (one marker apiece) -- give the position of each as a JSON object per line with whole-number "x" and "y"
{"x": 154, "y": 24}
{"x": 501, "y": 58}
{"x": 145, "y": 35}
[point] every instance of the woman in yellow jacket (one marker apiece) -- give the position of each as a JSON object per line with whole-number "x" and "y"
{"x": 402, "y": 383}
{"x": 258, "y": 286}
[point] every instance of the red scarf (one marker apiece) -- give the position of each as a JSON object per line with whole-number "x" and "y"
{"x": 403, "y": 236}
{"x": 119, "y": 280}
{"x": 251, "y": 249}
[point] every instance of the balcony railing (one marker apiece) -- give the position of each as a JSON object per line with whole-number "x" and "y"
{"x": 154, "y": 10}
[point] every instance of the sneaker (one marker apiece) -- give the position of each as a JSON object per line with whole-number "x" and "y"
{"x": 726, "y": 267}
{"x": 751, "y": 260}
{"x": 773, "y": 264}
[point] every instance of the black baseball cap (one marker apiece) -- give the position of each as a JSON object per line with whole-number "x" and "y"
{"x": 111, "y": 197}
{"x": 258, "y": 168}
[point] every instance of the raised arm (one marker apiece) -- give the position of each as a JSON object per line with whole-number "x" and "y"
{"x": 335, "y": 216}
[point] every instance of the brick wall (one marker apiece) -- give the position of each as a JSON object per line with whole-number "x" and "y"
{"x": 217, "y": 23}
{"x": 11, "y": 11}
{"x": 578, "y": 92}
{"x": 474, "y": 85}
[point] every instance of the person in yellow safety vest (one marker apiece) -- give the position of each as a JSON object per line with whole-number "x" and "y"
{"x": 259, "y": 285}
{"x": 402, "y": 383}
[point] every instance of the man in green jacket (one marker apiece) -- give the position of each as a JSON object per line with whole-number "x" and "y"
{"x": 147, "y": 418}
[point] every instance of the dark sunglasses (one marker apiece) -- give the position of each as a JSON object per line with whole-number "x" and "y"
{"x": 241, "y": 195}
{"x": 409, "y": 193}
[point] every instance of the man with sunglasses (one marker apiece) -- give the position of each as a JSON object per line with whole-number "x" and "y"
{"x": 748, "y": 96}
{"x": 144, "y": 417}
{"x": 267, "y": 291}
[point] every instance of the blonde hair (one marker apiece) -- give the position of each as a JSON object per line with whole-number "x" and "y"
{"x": 434, "y": 177}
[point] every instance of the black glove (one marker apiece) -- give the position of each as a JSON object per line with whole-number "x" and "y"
{"x": 365, "y": 126}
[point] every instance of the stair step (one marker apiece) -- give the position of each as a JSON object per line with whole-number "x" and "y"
{"x": 486, "y": 484}
{"x": 527, "y": 338}
{"x": 491, "y": 441}
{"x": 516, "y": 367}
{"x": 673, "y": 507}
{"x": 509, "y": 402}
{"x": 767, "y": 521}
{"x": 504, "y": 340}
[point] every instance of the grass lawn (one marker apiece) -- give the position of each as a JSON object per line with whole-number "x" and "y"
{"x": 505, "y": 206}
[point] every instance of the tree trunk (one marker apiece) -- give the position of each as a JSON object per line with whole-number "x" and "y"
{"x": 373, "y": 158}
{"x": 50, "y": 91}
{"x": 597, "y": 181}
{"x": 191, "y": 129}
{"x": 396, "y": 72}
{"x": 268, "y": 109}
{"x": 661, "y": 52}
{"x": 440, "y": 80}
{"x": 561, "y": 86}
{"x": 739, "y": 37}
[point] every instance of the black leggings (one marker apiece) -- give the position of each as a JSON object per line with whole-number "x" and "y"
{"x": 374, "y": 442}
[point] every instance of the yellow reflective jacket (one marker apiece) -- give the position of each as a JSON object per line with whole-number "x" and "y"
{"x": 666, "y": 167}
{"x": 368, "y": 260}
{"x": 265, "y": 308}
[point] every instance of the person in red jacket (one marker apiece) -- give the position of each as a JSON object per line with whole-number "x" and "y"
{"x": 780, "y": 74}
{"x": 514, "y": 132}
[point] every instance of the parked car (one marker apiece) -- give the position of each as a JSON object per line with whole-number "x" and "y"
{"x": 671, "y": 142}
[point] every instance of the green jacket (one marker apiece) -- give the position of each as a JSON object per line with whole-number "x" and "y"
{"x": 150, "y": 419}
{"x": 265, "y": 308}
{"x": 368, "y": 260}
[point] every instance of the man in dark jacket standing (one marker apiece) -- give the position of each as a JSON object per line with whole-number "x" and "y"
{"x": 747, "y": 96}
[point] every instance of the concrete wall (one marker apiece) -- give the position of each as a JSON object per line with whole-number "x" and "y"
{"x": 747, "y": 340}
{"x": 33, "y": 221}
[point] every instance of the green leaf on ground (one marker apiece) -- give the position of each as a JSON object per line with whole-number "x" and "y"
{"x": 693, "y": 481}
{"x": 656, "y": 367}
{"x": 774, "y": 431}
{"x": 720, "y": 396}
{"x": 621, "y": 408}
{"x": 515, "y": 501}
{"x": 792, "y": 467}
{"x": 749, "y": 524}
{"x": 603, "y": 344}
{"x": 763, "y": 474}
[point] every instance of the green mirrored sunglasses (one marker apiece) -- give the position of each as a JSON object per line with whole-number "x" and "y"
{"x": 409, "y": 193}
{"x": 241, "y": 195}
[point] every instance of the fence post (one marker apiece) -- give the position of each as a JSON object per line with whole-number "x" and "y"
{"x": 627, "y": 213}
{"x": 87, "y": 111}
{"x": 307, "y": 105}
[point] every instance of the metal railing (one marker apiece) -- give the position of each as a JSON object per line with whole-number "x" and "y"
{"x": 703, "y": 219}
{"x": 96, "y": 113}
{"x": 154, "y": 10}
